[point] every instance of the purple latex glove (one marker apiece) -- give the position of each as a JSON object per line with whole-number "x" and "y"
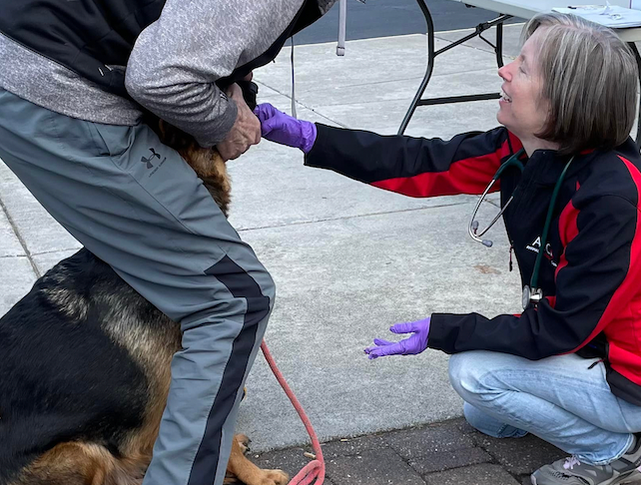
{"x": 415, "y": 344}
{"x": 281, "y": 128}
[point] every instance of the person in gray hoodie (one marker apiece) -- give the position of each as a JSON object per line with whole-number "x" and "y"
{"x": 76, "y": 77}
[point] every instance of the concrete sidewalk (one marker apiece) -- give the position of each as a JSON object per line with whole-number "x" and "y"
{"x": 348, "y": 261}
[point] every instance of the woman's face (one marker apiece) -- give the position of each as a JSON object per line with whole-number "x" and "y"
{"x": 522, "y": 110}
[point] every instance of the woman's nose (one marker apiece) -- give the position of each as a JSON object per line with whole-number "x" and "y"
{"x": 504, "y": 72}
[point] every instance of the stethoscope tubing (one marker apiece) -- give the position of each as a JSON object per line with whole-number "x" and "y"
{"x": 546, "y": 227}
{"x": 472, "y": 228}
{"x": 533, "y": 292}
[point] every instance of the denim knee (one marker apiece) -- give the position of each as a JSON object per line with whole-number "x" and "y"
{"x": 465, "y": 375}
{"x": 489, "y": 425}
{"x": 467, "y": 371}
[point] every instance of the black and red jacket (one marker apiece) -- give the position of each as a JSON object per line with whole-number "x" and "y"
{"x": 591, "y": 275}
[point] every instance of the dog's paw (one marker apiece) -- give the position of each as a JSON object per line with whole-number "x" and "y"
{"x": 274, "y": 477}
{"x": 243, "y": 441}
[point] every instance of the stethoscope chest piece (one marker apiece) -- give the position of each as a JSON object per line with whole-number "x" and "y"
{"x": 531, "y": 297}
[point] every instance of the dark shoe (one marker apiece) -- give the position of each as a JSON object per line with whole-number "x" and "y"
{"x": 572, "y": 472}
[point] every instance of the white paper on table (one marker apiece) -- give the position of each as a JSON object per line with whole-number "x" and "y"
{"x": 616, "y": 17}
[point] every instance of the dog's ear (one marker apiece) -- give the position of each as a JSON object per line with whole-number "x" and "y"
{"x": 249, "y": 89}
{"x": 162, "y": 128}
{"x": 250, "y": 92}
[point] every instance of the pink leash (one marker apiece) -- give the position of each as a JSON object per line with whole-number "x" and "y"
{"x": 315, "y": 469}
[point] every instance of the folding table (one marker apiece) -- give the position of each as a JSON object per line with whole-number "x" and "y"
{"x": 506, "y": 9}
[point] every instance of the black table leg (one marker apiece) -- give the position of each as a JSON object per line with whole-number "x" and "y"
{"x": 431, "y": 56}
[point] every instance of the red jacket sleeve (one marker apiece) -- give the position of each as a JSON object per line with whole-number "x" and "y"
{"x": 416, "y": 167}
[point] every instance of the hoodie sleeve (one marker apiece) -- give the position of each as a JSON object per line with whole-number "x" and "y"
{"x": 177, "y": 59}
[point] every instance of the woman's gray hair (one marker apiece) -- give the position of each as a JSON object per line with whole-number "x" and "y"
{"x": 590, "y": 78}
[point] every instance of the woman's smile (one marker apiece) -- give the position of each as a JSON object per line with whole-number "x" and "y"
{"x": 504, "y": 97}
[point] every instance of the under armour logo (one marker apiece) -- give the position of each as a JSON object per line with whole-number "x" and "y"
{"x": 148, "y": 160}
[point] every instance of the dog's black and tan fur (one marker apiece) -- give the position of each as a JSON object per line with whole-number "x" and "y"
{"x": 85, "y": 368}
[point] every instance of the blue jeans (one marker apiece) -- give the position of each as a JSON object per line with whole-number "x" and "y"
{"x": 559, "y": 399}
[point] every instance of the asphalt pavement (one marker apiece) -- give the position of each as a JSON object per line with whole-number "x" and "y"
{"x": 381, "y": 18}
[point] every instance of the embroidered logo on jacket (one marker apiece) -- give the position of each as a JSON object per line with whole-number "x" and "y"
{"x": 148, "y": 159}
{"x": 535, "y": 245}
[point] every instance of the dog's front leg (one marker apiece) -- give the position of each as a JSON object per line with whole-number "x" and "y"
{"x": 248, "y": 473}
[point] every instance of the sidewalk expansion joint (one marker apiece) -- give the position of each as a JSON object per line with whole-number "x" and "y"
{"x": 342, "y": 218}
{"x": 12, "y": 256}
{"x": 303, "y": 105}
{"x": 21, "y": 240}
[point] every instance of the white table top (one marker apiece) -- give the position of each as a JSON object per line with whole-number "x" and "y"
{"x": 528, "y": 8}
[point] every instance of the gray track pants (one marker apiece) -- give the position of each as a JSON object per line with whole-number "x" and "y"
{"x": 138, "y": 206}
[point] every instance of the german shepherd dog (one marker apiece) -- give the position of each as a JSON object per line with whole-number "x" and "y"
{"x": 85, "y": 366}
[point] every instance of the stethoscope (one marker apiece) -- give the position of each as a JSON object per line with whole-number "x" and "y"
{"x": 532, "y": 294}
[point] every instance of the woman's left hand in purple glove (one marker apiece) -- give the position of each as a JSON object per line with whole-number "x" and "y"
{"x": 281, "y": 128}
{"x": 415, "y": 344}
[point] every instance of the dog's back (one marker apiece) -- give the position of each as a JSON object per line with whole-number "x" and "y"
{"x": 84, "y": 374}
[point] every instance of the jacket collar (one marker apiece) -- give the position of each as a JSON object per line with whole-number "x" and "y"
{"x": 545, "y": 166}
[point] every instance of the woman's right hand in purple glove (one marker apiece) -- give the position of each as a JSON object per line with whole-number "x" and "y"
{"x": 281, "y": 128}
{"x": 415, "y": 344}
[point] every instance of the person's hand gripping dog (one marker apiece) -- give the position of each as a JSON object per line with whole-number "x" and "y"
{"x": 246, "y": 129}
{"x": 415, "y": 344}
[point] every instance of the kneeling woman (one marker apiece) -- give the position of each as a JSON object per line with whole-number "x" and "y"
{"x": 568, "y": 369}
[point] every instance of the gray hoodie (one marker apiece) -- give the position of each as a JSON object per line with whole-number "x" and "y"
{"x": 171, "y": 70}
